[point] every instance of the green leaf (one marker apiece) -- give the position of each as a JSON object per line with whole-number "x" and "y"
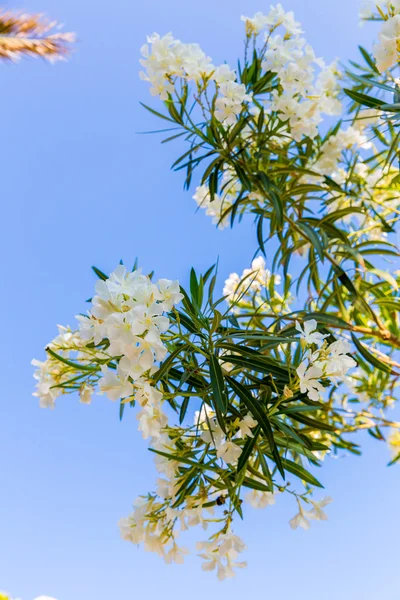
{"x": 167, "y": 363}
{"x": 364, "y": 99}
{"x": 157, "y": 114}
{"x": 313, "y": 423}
{"x": 184, "y": 460}
{"x": 370, "y": 358}
{"x": 314, "y": 238}
{"x": 258, "y": 413}
{"x": 369, "y": 60}
{"x": 216, "y": 322}
{"x": 300, "y": 472}
{"x": 183, "y": 410}
{"x": 248, "y": 449}
{"x": 395, "y": 460}
{"x": 70, "y": 363}
{"x": 218, "y": 385}
{"x": 260, "y": 236}
{"x": 100, "y": 274}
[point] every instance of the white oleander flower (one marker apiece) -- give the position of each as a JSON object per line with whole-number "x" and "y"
{"x": 114, "y": 385}
{"x": 223, "y": 74}
{"x": 310, "y": 334}
{"x": 309, "y": 380}
{"x": 245, "y": 427}
{"x": 316, "y": 512}
{"x": 386, "y": 52}
{"x": 299, "y": 520}
{"x": 151, "y": 421}
{"x": 230, "y": 103}
{"x": 221, "y": 554}
{"x": 168, "y": 293}
{"x": 85, "y": 393}
{"x": 176, "y": 555}
{"x": 338, "y": 361}
{"x": 165, "y": 58}
{"x": 258, "y": 499}
{"x": 229, "y": 452}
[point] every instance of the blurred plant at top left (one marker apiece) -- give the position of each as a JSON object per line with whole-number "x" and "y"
{"x": 32, "y": 35}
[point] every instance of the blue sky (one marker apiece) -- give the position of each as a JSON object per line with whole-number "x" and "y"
{"x": 81, "y": 187}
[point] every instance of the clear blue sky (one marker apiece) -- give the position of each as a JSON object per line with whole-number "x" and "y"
{"x": 80, "y": 187}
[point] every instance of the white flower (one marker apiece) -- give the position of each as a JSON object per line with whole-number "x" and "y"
{"x": 147, "y": 394}
{"x": 214, "y": 208}
{"x": 259, "y": 499}
{"x": 299, "y": 520}
{"x": 338, "y": 362}
{"x": 85, "y": 393}
{"x": 204, "y": 415}
{"x": 386, "y": 53}
{"x": 255, "y": 24}
{"x": 151, "y": 349}
{"x": 169, "y": 293}
{"x": 245, "y": 426}
{"x": 223, "y": 74}
{"x": 44, "y": 598}
{"x": 309, "y": 381}
{"x": 165, "y": 58}
{"x": 310, "y": 334}
{"x": 151, "y": 421}
{"x": 45, "y": 390}
{"x": 317, "y": 513}
{"x": 176, "y": 554}
{"x": 114, "y": 385}
{"x": 229, "y": 452}
{"x": 230, "y": 104}
{"x": 221, "y": 554}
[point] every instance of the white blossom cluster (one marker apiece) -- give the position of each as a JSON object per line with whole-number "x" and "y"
{"x": 212, "y": 433}
{"x": 154, "y": 522}
{"x": 52, "y": 372}
{"x": 251, "y": 280}
{"x": 302, "y": 518}
{"x": 331, "y": 151}
{"x": 302, "y": 98}
{"x": 373, "y": 185}
{"x": 303, "y": 95}
{"x": 329, "y": 361}
{"x": 167, "y": 59}
{"x": 128, "y": 311}
{"x": 387, "y": 50}
{"x": 217, "y": 207}
{"x": 255, "y": 289}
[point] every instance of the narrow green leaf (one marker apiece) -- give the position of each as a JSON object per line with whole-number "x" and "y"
{"x": 259, "y": 413}
{"x": 218, "y": 385}
{"x": 369, "y": 357}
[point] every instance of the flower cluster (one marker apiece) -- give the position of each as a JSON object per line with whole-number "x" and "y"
{"x": 255, "y": 291}
{"x": 122, "y": 334}
{"x": 302, "y": 96}
{"x": 387, "y": 51}
{"x": 53, "y": 374}
{"x": 218, "y": 207}
{"x": 302, "y": 518}
{"x": 221, "y": 553}
{"x": 300, "y": 99}
{"x": 167, "y": 59}
{"x": 328, "y": 361}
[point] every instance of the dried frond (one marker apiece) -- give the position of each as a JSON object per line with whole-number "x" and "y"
{"x": 23, "y": 34}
